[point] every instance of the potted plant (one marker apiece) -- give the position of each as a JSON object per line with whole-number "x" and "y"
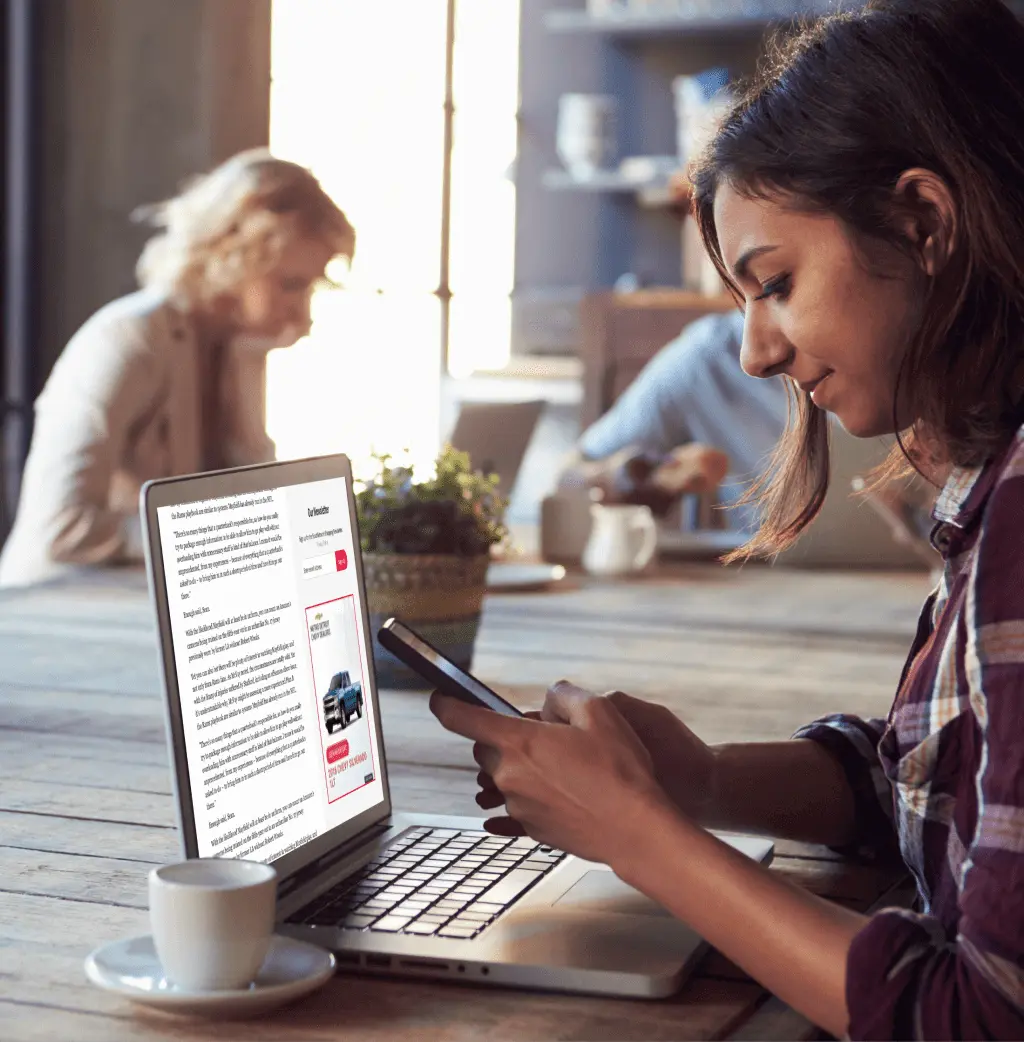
{"x": 426, "y": 546}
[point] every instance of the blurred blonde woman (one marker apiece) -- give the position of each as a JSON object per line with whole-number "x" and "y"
{"x": 170, "y": 379}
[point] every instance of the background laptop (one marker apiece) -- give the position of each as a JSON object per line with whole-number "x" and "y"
{"x": 257, "y": 581}
{"x": 847, "y": 533}
{"x": 496, "y": 435}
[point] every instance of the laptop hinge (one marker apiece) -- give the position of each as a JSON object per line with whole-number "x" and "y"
{"x": 332, "y": 857}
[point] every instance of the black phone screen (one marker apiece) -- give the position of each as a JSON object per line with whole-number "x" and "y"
{"x": 438, "y": 670}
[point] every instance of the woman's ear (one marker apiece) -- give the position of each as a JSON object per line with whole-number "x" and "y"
{"x": 927, "y": 216}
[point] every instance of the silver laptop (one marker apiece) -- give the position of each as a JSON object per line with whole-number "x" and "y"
{"x": 848, "y": 532}
{"x": 496, "y": 436}
{"x": 278, "y": 756}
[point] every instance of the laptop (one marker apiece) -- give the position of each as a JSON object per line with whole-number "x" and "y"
{"x": 278, "y": 755}
{"x": 850, "y": 531}
{"x": 496, "y": 436}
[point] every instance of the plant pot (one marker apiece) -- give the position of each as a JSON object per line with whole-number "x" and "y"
{"x": 438, "y": 595}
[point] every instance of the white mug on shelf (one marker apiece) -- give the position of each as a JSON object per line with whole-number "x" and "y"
{"x": 212, "y": 921}
{"x": 623, "y": 539}
{"x": 586, "y": 136}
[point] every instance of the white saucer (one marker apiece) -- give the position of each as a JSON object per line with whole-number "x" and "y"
{"x": 131, "y": 968}
{"x": 522, "y": 576}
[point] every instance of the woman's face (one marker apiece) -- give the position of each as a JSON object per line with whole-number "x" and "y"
{"x": 814, "y": 312}
{"x": 275, "y": 306}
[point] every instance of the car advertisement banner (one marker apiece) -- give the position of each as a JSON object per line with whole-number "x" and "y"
{"x": 340, "y": 685}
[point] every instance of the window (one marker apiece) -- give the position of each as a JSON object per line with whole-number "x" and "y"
{"x": 358, "y": 95}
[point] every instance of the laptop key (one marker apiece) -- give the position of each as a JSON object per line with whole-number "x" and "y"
{"x": 408, "y": 909}
{"x": 506, "y": 890}
{"x": 482, "y": 906}
{"x": 421, "y": 927}
{"x": 392, "y": 923}
{"x": 469, "y": 924}
{"x": 463, "y": 932}
{"x": 357, "y": 922}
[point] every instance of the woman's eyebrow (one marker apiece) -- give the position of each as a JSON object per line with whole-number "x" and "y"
{"x": 742, "y": 268}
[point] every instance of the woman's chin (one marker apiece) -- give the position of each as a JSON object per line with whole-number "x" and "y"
{"x": 860, "y": 426}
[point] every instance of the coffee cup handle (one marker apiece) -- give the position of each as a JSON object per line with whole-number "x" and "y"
{"x": 649, "y": 530}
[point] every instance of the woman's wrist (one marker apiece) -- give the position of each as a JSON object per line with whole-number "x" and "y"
{"x": 649, "y": 822}
{"x": 695, "y": 795}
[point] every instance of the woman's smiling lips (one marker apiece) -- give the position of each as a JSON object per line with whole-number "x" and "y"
{"x": 811, "y": 387}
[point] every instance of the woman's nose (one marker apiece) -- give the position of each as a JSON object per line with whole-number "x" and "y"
{"x": 763, "y": 354}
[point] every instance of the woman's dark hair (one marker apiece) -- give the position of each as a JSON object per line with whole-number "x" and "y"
{"x": 837, "y": 111}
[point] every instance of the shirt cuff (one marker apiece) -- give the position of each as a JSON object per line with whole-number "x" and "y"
{"x": 840, "y": 736}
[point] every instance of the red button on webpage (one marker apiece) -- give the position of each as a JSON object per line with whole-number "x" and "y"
{"x": 340, "y": 560}
{"x": 338, "y": 751}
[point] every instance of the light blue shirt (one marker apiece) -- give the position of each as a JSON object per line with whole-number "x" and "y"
{"x": 694, "y": 390}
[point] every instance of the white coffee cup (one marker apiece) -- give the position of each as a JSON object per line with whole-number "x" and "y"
{"x": 212, "y": 921}
{"x": 623, "y": 539}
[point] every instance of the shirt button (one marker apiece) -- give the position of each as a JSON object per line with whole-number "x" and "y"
{"x": 941, "y": 538}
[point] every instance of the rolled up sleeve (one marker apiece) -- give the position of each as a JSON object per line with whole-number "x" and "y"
{"x": 853, "y": 742}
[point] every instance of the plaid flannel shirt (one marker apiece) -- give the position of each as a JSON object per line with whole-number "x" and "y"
{"x": 944, "y": 777}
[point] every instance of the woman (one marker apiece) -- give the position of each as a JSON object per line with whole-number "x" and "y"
{"x": 864, "y": 202}
{"x": 170, "y": 379}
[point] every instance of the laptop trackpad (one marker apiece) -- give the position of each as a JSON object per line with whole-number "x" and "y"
{"x": 600, "y": 890}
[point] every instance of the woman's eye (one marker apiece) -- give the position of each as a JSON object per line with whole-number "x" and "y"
{"x": 777, "y": 287}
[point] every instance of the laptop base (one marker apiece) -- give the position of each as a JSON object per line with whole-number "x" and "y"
{"x": 580, "y": 929}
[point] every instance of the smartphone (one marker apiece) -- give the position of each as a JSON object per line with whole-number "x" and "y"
{"x": 439, "y": 671}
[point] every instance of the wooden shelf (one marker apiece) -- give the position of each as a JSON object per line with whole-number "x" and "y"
{"x": 654, "y": 193}
{"x": 671, "y": 297}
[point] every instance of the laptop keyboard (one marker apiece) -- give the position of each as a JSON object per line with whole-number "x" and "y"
{"x": 434, "y": 882}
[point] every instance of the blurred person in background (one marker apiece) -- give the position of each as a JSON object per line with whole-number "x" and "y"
{"x": 691, "y": 422}
{"x": 171, "y": 378}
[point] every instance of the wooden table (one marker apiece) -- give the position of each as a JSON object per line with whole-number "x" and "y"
{"x": 86, "y": 809}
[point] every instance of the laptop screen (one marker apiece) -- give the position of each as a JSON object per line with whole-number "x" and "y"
{"x": 270, "y": 656}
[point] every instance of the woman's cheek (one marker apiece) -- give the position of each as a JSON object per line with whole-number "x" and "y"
{"x": 259, "y": 309}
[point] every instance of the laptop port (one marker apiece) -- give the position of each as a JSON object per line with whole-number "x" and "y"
{"x": 378, "y": 960}
{"x": 350, "y": 957}
{"x": 423, "y": 964}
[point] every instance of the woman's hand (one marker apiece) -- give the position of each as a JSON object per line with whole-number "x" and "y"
{"x": 684, "y": 766}
{"x": 580, "y": 787}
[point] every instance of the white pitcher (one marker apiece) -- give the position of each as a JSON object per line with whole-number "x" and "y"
{"x": 622, "y": 539}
